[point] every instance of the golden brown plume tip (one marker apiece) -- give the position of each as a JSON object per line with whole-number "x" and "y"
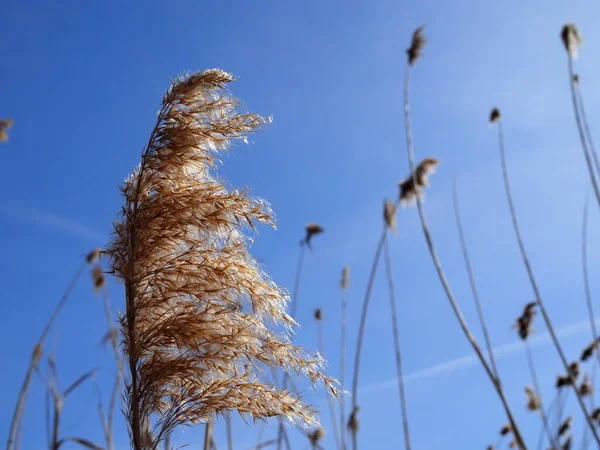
{"x": 353, "y": 424}
{"x": 495, "y": 115}
{"x": 571, "y": 39}
{"x": 533, "y": 401}
{"x": 201, "y": 316}
{"x": 318, "y": 314}
{"x": 416, "y": 45}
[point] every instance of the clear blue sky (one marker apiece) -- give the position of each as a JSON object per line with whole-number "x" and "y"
{"x": 83, "y": 84}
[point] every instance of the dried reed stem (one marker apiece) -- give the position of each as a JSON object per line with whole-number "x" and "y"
{"x": 330, "y": 404}
{"x": 361, "y": 330}
{"x": 586, "y": 279}
{"x": 19, "y": 412}
{"x": 538, "y": 392}
{"x": 114, "y": 339}
{"x": 530, "y": 275}
{"x": 229, "y": 432}
{"x": 586, "y": 128}
{"x": 472, "y": 283}
{"x": 442, "y": 277}
{"x": 343, "y": 327}
{"x": 208, "y": 433}
{"x": 580, "y": 129}
{"x": 397, "y": 352}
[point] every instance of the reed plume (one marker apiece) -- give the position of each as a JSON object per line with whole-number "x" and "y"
{"x": 344, "y": 284}
{"x": 198, "y": 307}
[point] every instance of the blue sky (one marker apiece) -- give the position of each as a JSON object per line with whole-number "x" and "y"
{"x": 83, "y": 84}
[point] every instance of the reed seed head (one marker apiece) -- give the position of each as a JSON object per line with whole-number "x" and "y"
{"x": 524, "y": 323}
{"x": 571, "y": 39}
{"x": 562, "y": 381}
{"x": 565, "y": 426}
{"x": 589, "y": 350}
{"x": 568, "y": 443}
{"x": 202, "y": 321}
{"x": 389, "y": 214}
{"x": 596, "y": 415}
{"x": 345, "y": 281}
{"x": 513, "y": 444}
{"x": 495, "y": 115}
{"x": 533, "y": 401}
{"x": 98, "y": 278}
{"x": 312, "y": 229}
{"x": 506, "y": 429}
{"x": 586, "y": 389}
{"x": 318, "y": 314}
{"x": 5, "y": 124}
{"x": 576, "y": 78}
{"x": 416, "y": 45}
{"x": 93, "y": 256}
{"x": 413, "y": 186}
{"x": 316, "y": 435}
{"x": 353, "y": 423}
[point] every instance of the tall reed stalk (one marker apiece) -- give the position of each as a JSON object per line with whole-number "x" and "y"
{"x": 397, "y": 348}
{"x": 418, "y": 42}
{"x": 344, "y": 284}
{"x": 538, "y": 392}
{"x": 586, "y": 278}
{"x": 530, "y": 274}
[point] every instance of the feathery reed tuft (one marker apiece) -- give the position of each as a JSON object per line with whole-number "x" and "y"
{"x": 345, "y": 281}
{"x": 571, "y": 39}
{"x": 416, "y": 45}
{"x": 318, "y": 314}
{"x": 181, "y": 250}
{"x": 524, "y": 322}
{"x": 565, "y": 426}
{"x": 533, "y": 401}
{"x": 586, "y": 389}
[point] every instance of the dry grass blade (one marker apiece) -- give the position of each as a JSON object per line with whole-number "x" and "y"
{"x": 586, "y": 285}
{"x": 530, "y": 275}
{"x": 344, "y": 284}
{"x": 78, "y": 382}
{"x": 83, "y": 442}
{"x": 438, "y": 266}
{"x": 197, "y": 303}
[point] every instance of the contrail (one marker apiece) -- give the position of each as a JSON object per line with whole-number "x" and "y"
{"x": 47, "y": 219}
{"x": 465, "y": 362}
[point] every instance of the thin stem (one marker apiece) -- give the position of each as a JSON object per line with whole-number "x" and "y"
{"x": 442, "y": 275}
{"x": 119, "y": 375}
{"x": 229, "y": 432}
{"x": 294, "y": 306}
{"x": 472, "y": 283}
{"x": 538, "y": 392}
{"x": 361, "y": 330}
{"x": 586, "y": 128}
{"x": 534, "y": 285}
{"x": 19, "y": 412}
{"x": 584, "y": 145}
{"x": 586, "y": 278}
{"x": 208, "y": 433}
{"x": 330, "y": 403}
{"x": 398, "y": 354}
{"x": 343, "y": 325}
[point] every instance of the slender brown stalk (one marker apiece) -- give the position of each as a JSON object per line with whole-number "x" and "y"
{"x": 397, "y": 352}
{"x": 586, "y": 279}
{"x": 441, "y": 274}
{"x": 580, "y": 129}
{"x": 531, "y": 277}
{"x": 114, "y": 340}
{"x": 343, "y": 325}
{"x": 472, "y": 283}
{"x": 208, "y": 433}
{"x": 586, "y": 126}
{"x": 19, "y": 412}
{"x": 330, "y": 404}
{"x": 538, "y": 392}
{"x": 229, "y": 432}
{"x": 361, "y": 330}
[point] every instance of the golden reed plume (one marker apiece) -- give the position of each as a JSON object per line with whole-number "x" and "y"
{"x": 198, "y": 307}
